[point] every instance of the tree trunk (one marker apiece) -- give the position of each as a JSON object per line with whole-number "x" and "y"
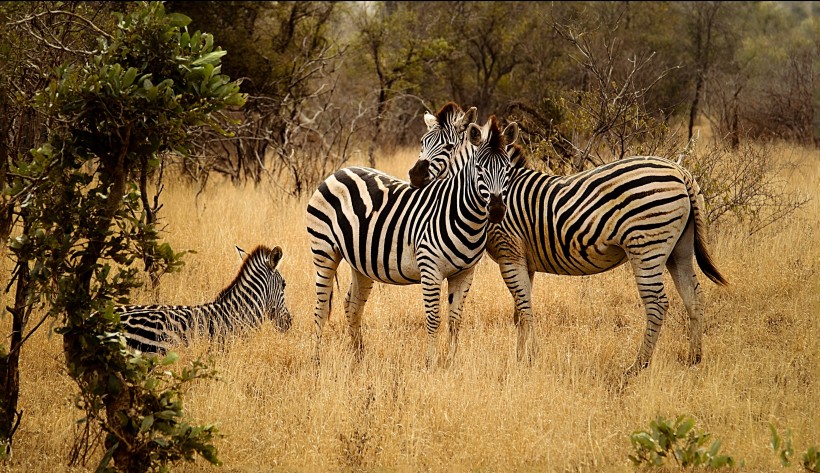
{"x": 693, "y": 110}
{"x": 118, "y": 394}
{"x": 10, "y": 362}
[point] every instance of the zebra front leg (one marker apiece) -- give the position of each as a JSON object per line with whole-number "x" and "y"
{"x": 519, "y": 282}
{"x": 457, "y": 286}
{"x": 326, "y": 263}
{"x": 650, "y": 287}
{"x": 360, "y": 288}
{"x": 431, "y": 292}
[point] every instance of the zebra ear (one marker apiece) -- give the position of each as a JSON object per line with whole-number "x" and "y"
{"x": 511, "y": 133}
{"x": 474, "y": 132}
{"x": 275, "y": 257}
{"x": 430, "y": 120}
{"x": 242, "y": 253}
{"x": 468, "y": 117}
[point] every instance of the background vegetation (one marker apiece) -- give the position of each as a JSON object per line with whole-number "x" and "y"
{"x": 588, "y": 81}
{"x": 728, "y": 88}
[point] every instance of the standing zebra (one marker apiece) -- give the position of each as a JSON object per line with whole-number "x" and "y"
{"x": 645, "y": 210}
{"x": 256, "y": 294}
{"x": 392, "y": 233}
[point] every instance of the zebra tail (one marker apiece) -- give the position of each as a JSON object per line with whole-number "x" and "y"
{"x": 702, "y": 256}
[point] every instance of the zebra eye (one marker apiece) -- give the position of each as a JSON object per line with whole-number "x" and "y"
{"x": 449, "y": 147}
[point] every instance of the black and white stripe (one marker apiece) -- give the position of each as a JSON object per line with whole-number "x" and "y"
{"x": 389, "y": 232}
{"x": 645, "y": 210}
{"x": 256, "y": 294}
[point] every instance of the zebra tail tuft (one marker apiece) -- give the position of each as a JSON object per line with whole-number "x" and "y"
{"x": 704, "y": 260}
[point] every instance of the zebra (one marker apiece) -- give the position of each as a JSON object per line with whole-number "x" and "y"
{"x": 646, "y": 210}
{"x": 389, "y": 232}
{"x": 445, "y": 130}
{"x": 256, "y": 294}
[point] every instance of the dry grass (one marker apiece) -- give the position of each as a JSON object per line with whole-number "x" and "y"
{"x": 566, "y": 412}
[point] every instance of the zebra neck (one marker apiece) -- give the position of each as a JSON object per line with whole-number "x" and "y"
{"x": 468, "y": 202}
{"x": 231, "y": 311}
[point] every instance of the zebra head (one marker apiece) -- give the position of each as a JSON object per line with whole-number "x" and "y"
{"x": 445, "y": 131}
{"x": 493, "y": 163}
{"x": 263, "y": 282}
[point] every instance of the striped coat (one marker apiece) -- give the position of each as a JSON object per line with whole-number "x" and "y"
{"x": 255, "y": 295}
{"x": 394, "y": 234}
{"x": 647, "y": 211}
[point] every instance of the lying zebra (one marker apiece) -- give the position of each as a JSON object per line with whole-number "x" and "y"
{"x": 256, "y": 294}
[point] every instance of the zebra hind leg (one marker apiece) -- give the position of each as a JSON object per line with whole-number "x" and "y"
{"x": 519, "y": 282}
{"x": 649, "y": 278}
{"x": 682, "y": 269}
{"x": 326, "y": 264}
{"x": 360, "y": 288}
{"x": 457, "y": 286}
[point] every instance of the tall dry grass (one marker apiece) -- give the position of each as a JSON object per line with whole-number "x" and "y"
{"x": 566, "y": 412}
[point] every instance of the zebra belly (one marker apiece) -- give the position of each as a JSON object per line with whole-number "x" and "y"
{"x": 580, "y": 261}
{"x": 405, "y": 270}
{"x": 393, "y": 269}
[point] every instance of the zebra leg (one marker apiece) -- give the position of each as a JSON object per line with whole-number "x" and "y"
{"x": 457, "y": 286}
{"x": 360, "y": 288}
{"x": 519, "y": 279}
{"x": 431, "y": 293}
{"x": 649, "y": 277}
{"x": 681, "y": 267}
{"x": 326, "y": 263}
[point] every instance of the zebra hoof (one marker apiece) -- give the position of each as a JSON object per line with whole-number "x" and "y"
{"x": 636, "y": 368}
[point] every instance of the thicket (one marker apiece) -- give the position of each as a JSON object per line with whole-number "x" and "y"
{"x": 588, "y": 81}
{"x": 124, "y": 91}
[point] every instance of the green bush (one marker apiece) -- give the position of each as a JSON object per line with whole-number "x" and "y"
{"x": 678, "y": 441}
{"x": 785, "y": 451}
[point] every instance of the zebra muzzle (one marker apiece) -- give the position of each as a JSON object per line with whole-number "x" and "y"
{"x": 419, "y": 173}
{"x": 497, "y": 208}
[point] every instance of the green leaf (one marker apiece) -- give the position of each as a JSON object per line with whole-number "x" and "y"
{"x": 106, "y": 459}
{"x": 209, "y": 58}
{"x": 147, "y": 422}
{"x": 715, "y": 447}
{"x": 684, "y": 427}
{"x": 130, "y": 75}
{"x": 775, "y": 439}
{"x": 170, "y": 358}
{"x": 178, "y": 19}
{"x": 167, "y": 414}
{"x": 644, "y": 440}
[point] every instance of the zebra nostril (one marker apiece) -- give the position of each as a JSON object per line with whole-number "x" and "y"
{"x": 497, "y": 208}
{"x": 418, "y": 173}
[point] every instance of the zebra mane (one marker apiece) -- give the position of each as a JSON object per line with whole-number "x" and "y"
{"x": 447, "y": 113}
{"x": 259, "y": 252}
{"x": 497, "y": 142}
{"x": 517, "y": 157}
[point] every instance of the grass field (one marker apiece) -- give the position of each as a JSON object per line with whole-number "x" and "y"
{"x": 565, "y": 412}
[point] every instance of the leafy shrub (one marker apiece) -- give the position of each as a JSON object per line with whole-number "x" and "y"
{"x": 785, "y": 451}
{"x": 678, "y": 441}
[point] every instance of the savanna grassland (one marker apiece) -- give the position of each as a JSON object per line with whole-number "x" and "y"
{"x": 568, "y": 411}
